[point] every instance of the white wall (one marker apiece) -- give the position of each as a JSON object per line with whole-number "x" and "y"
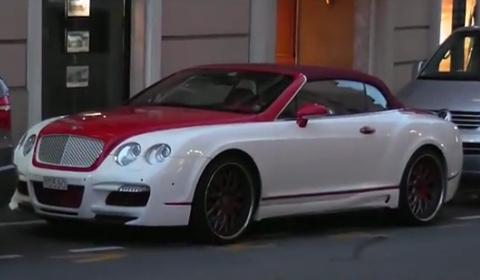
{"x": 406, "y": 31}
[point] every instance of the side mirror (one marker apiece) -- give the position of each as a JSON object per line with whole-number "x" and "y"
{"x": 311, "y": 111}
{"x": 417, "y": 67}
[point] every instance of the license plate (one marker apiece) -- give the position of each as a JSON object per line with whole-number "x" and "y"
{"x": 55, "y": 183}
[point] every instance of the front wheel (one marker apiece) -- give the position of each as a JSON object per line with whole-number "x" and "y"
{"x": 422, "y": 188}
{"x": 224, "y": 201}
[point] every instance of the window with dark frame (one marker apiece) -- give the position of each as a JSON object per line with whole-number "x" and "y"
{"x": 343, "y": 97}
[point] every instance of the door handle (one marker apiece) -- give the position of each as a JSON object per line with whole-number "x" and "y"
{"x": 367, "y": 130}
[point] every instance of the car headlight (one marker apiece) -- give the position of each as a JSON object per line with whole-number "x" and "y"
{"x": 22, "y": 140}
{"x": 127, "y": 153}
{"x": 28, "y": 146}
{"x": 158, "y": 153}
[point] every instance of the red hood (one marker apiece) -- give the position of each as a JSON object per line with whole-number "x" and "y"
{"x": 123, "y": 122}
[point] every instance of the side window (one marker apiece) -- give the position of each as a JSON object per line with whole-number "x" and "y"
{"x": 3, "y": 88}
{"x": 341, "y": 96}
{"x": 376, "y": 101}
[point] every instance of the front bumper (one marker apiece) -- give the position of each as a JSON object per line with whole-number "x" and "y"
{"x": 471, "y": 171}
{"x": 95, "y": 196}
{"x": 8, "y": 182}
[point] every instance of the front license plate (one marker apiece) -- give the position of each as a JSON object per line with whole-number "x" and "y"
{"x": 55, "y": 183}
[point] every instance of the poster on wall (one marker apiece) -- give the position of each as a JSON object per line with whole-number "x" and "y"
{"x": 78, "y": 41}
{"x": 78, "y": 8}
{"x": 77, "y": 76}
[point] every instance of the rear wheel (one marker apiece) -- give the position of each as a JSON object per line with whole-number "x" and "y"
{"x": 224, "y": 201}
{"x": 423, "y": 188}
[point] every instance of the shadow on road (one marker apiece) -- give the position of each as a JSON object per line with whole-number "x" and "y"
{"x": 315, "y": 226}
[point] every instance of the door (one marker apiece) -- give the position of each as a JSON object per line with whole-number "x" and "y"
{"x": 332, "y": 154}
{"x": 286, "y": 31}
{"x": 326, "y": 33}
{"x": 385, "y": 122}
{"x": 85, "y": 55}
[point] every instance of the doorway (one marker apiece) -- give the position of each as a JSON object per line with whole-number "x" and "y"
{"x": 85, "y": 55}
{"x": 316, "y": 32}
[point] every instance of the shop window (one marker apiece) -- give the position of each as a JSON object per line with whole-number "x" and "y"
{"x": 456, "y": 14}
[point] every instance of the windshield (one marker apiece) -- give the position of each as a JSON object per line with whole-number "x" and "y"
{"x": 248, "y": 92}
{"x": 458, "y": 58}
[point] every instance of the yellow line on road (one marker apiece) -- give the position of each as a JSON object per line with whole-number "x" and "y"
{"x": 101, "y": 258}
{"x": 356, "y": 234}
{"x": 246, "y": 246}
{"x": 73, "y": 256}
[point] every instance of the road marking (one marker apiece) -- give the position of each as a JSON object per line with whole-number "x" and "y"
{"x": 457, "y": 225}
{"x": 466, "y": 218}
{"x": 101, "y": 258}
{"x": 74, "y": 256}
{"x": 273, "y": 235}
{"x": 9, "y": 257}
{"x": 96, "y": 249}
{"x": 357, "y": 234}
{"x": 23, "y": 223}
{"x": 245, "y": 246}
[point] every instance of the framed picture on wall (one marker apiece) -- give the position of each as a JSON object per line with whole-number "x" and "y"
{"x": 78, "y": 8}
{"x": 77, "y": 76}
{"x": 78, "y": 41}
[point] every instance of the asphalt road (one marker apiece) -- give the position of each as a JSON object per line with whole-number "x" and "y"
{"x": 357, "y": 246}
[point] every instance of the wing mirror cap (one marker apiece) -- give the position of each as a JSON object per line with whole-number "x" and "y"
{"x": 311, "y": 111}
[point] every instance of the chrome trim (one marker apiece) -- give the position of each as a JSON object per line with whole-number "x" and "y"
{"x": 293, "y": 96}
{"x": 455, "y": 175}
{"x": 67, "y": 149}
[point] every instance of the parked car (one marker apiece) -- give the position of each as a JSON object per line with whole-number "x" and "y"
{"x": 448, "y": 84}
{"x": 8, "y": 173}
{"x": 217, "y": 147}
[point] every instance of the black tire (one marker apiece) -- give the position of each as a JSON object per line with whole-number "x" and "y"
{"x": 222, "y": 200}
{"x": 423, "y": 187}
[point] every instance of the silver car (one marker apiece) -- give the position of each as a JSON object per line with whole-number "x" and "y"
{"x": 8, "y": 171}
{"x": 449, "y": 85}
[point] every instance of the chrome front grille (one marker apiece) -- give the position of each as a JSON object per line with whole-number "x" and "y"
{"x": 465, "y": 120}
{"x": 69, "y": 150}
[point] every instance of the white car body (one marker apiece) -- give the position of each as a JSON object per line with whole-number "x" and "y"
{"x": 326, "y": 166}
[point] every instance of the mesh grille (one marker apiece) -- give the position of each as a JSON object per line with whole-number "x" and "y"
{"x": 69, "y": 150}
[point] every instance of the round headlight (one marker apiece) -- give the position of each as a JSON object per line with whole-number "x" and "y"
{"x": 158, "y": 153}
{"x": 22, "y": 140}
{"x": 28, "y": 146}
{"x": 127, "y": 153}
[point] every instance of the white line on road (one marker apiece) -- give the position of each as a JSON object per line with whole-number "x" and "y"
{"x": 96, "y": 249}
{"x": 8, "y": 257}
{"x": 22, "y": 223}
{"x": 464, "y": 218}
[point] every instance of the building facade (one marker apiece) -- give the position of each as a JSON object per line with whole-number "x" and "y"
{"x": 64, "y": 56}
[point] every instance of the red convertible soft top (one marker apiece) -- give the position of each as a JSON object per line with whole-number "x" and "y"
{"x": 313, "y": 73}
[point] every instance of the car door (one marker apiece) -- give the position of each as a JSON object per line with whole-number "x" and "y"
{"x": 332, "y": 154}
{"x": 385, "y": 122}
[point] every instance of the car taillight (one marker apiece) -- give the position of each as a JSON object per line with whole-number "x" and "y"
{"x": 5, "y": 116}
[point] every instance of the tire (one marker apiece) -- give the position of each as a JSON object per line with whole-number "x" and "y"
{"x": 221, "y": 198}
{"x": 423, "y": 187}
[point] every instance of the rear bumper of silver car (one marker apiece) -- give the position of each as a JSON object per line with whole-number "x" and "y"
{"x": 8, "y": 183}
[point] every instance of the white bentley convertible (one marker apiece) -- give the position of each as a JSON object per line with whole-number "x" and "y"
{"x": 217, "y": 147}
